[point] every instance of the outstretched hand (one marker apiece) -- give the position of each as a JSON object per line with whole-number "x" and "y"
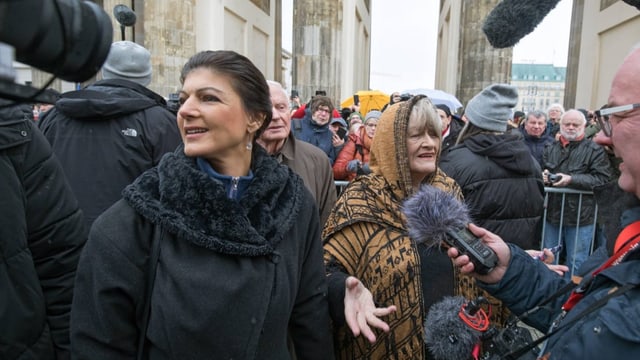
{"x": 360, "y": 311}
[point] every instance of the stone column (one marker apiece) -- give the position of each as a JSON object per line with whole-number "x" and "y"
{"x": 316, "y": 47}
{"x": 479, "y": 63}
{"x": 573, "y": 58}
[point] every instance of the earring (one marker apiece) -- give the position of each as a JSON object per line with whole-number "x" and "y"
{"x": 249, "y": 145}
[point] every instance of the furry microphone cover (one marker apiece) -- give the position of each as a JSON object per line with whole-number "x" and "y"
{"x": 431, "y": 212}
{"x": 511, "y": 20}
{"x": 446, "y": 335}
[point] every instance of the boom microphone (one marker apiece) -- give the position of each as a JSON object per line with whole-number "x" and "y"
{"x": 435, "y": 217}
{"x": 448, "y": 332}
{"x": 511, "y": 20}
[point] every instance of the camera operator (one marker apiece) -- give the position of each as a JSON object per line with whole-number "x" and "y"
{"x": 598, "y": 319}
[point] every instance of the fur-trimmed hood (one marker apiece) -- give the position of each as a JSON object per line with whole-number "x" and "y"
{"x": 192, "y": 205}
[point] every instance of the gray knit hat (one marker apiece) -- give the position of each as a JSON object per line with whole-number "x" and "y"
{"x": 373, "y": 114}
{"x": 492, "y": 107}
{"x": 128, "y": 60}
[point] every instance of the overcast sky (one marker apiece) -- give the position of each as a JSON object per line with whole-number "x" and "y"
{"x": 404, "y": 35}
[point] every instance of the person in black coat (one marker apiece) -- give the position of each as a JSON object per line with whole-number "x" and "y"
{"x": 451, "y": 127}
{"x": 109, "y": 133}
{"x": 501, "y": 181}
{"x": 41, "y": 236}
{"x": 213, "y": 254}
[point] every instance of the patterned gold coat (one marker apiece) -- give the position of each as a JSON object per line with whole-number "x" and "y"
{"x": 366, "y": 237}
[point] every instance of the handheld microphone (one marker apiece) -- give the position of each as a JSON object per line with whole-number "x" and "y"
{"x": 511, "y": 20}
{"x": 435, "y": 217}
{"x": 454, "y": 328}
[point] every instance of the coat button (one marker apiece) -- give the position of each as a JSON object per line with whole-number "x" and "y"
{"x": 23, "y": 133}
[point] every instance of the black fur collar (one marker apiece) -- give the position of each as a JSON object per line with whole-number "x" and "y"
{"x": 193, "y": 206}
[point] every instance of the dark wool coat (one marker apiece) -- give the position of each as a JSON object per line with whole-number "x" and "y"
{"x": 233, "y": 278}
{"x": 502, "y": 185}
{"x": 41, "y": 237}
{"x": 106, "y": 136}
{"x": 588, "y": 165}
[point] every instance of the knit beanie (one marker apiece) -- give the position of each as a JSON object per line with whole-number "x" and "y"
{"x": 373, "y": 114}
{"x": 491, "y": 108}
{"x": 128, "y": 60}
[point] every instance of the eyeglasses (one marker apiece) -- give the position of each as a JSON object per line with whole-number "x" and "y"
{"x": 602, "y": 116}
{"x": 325, "y": 110}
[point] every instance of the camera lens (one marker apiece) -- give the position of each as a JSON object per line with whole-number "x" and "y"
{"x": 70, "y": 38}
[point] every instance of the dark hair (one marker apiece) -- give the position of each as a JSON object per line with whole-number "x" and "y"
{"x": 470, "y": 130}
{"x": 245, "y": 78}
{"x": 444, "y": 108}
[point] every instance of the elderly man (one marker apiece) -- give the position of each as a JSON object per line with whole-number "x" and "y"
{"x": 304, "y": 159}
{"x": 598, "y": 320}
{"x": 580, "y": 164}
{"x": 534, "y": 134}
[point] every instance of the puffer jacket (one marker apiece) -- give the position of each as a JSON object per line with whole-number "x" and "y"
{"x": 233, "y": 278}
{"x": 502, "y": 185}
{"x": 41, "y": 237}
{"x": 588, "y": 165}
{"x": 105, "y": 136}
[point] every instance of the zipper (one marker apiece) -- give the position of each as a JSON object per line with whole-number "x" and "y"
{"x": 234, "y": 187}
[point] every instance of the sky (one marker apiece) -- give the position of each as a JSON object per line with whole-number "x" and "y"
{"x": 404, "y": 32}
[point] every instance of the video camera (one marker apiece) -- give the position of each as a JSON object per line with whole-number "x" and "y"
{"x": 69, "y": 39}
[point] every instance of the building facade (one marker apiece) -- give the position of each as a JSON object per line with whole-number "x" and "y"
{"x": 539, "y": 85}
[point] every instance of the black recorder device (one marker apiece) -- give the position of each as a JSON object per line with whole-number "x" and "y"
{"x": 484, "y": 259}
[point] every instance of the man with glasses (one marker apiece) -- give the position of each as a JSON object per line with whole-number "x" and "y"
{"x": 572, "y": 162}
{"x": 314, "y": 127}
{"x": 599, "y": 318}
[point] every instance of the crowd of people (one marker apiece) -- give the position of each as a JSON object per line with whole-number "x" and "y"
{"x": 216, "y": 231}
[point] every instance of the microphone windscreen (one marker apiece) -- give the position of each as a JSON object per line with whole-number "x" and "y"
{"x": 124, "y": 15}
{"x": 431, "y": 213}
{"x": 635, "y": 3}
{"x": 446, "y": 335}
{"x": 511, "y": 20}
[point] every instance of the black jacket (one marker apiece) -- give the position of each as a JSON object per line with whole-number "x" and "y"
{"x": 588, "y": 166}
{"x": 536, "y": 145}
{"x": 41, "y": 236}
{"x": 233, "y": 277}
{"x": 502, "y": 185}
{"x": 106, "y": 136}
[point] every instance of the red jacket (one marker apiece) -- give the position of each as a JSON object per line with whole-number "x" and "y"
{"x": 356, "y": 148}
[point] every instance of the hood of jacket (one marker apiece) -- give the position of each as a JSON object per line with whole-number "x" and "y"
{"x": 108, "y": 99}
{"x": 194, "y": 206}
{"x": 506, "y": 150}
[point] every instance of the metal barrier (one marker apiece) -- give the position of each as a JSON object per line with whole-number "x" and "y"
{"x": 565, "y": 192}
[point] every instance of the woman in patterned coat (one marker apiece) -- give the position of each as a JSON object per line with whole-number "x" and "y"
{"x": 367, "y": 250}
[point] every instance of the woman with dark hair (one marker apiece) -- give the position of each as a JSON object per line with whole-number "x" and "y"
{"x": 214, "y": 253}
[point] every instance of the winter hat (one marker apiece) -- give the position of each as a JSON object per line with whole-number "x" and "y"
{"x": 128, "y": 60}
{"x": 444, "y": 108}
{"x": 373, "y": 114}
{"x": 339, "y": 121}
{"x": 491, "y": 108}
